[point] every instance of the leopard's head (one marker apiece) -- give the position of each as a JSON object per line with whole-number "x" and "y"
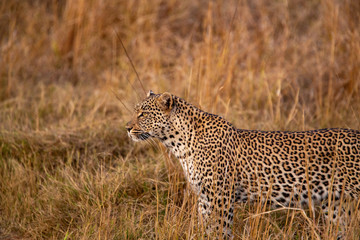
{"x": 151, "y": 117}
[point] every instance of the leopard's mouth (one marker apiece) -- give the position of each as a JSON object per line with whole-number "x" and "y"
{"x": 138, "y": 136}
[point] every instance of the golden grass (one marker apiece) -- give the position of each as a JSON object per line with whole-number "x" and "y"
{"x": 67, "y": 168}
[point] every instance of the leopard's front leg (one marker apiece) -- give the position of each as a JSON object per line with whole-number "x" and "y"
{"x": 216, "y": 212}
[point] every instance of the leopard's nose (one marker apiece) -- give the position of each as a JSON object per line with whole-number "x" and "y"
{"x": 128, "y": 127}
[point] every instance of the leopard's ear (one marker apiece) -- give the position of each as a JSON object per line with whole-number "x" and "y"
{"x": 150, "y": 93}
{"x": 166, "y": 101}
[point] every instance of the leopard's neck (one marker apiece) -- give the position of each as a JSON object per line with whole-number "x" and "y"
{"x": 192, "y": 126}
{"x": 180, "y": 137}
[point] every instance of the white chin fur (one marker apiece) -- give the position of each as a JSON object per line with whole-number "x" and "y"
{"x": 132, "y": 137}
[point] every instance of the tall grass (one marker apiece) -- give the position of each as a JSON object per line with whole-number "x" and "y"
{"x": 67, "y": 168}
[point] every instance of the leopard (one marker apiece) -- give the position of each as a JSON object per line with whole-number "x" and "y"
{"x": 225, "y": 165}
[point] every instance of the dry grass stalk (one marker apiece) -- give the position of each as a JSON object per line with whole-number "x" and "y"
{"x": 67, "y": 168}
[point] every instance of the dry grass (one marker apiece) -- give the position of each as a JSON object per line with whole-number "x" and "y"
{"x": 67, "y": 168}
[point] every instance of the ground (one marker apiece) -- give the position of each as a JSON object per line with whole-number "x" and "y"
{"x": 67, "y": 167}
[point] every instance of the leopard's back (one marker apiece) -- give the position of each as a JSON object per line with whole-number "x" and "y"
{"x": 287, "y": 163}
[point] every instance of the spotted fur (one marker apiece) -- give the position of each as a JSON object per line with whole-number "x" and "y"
{"x": 225, "y": 165}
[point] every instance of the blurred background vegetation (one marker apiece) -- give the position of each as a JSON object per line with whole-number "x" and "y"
{"x": 67, "y": 168}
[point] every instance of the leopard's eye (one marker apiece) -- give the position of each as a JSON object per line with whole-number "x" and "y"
{"x": 142, "y": 114}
